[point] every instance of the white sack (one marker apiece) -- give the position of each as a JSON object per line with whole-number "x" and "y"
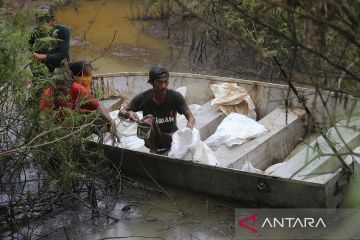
{"x": 232, "y": 98}
{"x": 125, "y": 127}
{"x": 94, "y": 137}
{"x": 186, "y": 144}
{"x": 182, "y": 139}
{"x": 132, "y": 142}
{"x": 235, "y": 129}
{"x": 248, "y": 110}
{"x": 274, "y": 167}
{"x": 126, "y": 130}
{"x": 246, "y": 107}
{"x": 107, "y": 139}
{"x": 227, "y": 94}
{"x": 248, "y": 167}
{"x": 114, "y": 114}
{"x": 181, "y": 120}
{"x": 182, "y": 91}
{"x": 203, "y": 154}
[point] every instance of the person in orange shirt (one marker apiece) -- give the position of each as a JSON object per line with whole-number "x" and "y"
{"x": 82, "y": 71}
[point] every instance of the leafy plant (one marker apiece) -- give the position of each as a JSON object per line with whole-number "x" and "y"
{"x": 39, "y": 141}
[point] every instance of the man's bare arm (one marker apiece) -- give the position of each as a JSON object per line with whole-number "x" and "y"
{"x": 109, "y": 122}
{"x": 104, "y": 114}
{"x": 190, "y": 118}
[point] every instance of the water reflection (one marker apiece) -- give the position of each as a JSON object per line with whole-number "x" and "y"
{"x": 93, "y": 25}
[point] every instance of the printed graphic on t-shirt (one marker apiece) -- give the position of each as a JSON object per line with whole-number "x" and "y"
{"x": 164, "y": 120}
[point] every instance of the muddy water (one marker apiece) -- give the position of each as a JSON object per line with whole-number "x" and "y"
{"x": 94, "y": 24}
{"x": 142, "y": 211}
{"x": 194, "y": 216}
{"x": 191, "y": 216}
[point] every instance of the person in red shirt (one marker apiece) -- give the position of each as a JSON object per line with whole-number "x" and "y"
{"x": 75, "y": 97}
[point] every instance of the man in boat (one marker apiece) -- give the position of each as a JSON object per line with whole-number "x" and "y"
{"x": 68, "y": 94}
{"x": 49, "y": 42}
{"x": 160, "y": 106}
{"x": 82, "y": 72}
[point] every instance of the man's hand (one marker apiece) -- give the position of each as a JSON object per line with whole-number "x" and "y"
{"x": 148, "y": 119}
{"x": 190, "y": 124}
{"x": 40, "y": 56}
{"x": 133, "y": 116}
{"x": 129, "y": 115}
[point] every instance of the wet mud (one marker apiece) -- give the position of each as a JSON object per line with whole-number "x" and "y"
{"x": 142, "y": 210}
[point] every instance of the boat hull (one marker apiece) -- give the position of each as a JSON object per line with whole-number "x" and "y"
{"x": 247, "y": 188}
{"x": 255, "y": 189}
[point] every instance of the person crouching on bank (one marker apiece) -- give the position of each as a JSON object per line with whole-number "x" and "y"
{"x": 68, "y": 94}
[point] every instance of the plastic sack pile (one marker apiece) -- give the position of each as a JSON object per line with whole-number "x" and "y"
{"x": 126, "y": 130}
{"x": 232, "y": 98}
{"x": 187, "y": 145}
{"x": 235, "y": 129}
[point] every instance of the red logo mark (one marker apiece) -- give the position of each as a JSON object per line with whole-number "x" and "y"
{"x": 251, "y": 217}
{"x": 171, "y": 113}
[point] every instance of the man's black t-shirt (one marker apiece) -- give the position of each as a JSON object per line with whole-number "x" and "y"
{"x": 165, "y": 114}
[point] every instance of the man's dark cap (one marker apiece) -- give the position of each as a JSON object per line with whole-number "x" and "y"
{"x": 44, "y": 12}
{"x": 157, "y": 72}
{"x": 77, "y": 68}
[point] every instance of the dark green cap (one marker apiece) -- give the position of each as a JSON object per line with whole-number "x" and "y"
{"x": 157, "y": 72}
